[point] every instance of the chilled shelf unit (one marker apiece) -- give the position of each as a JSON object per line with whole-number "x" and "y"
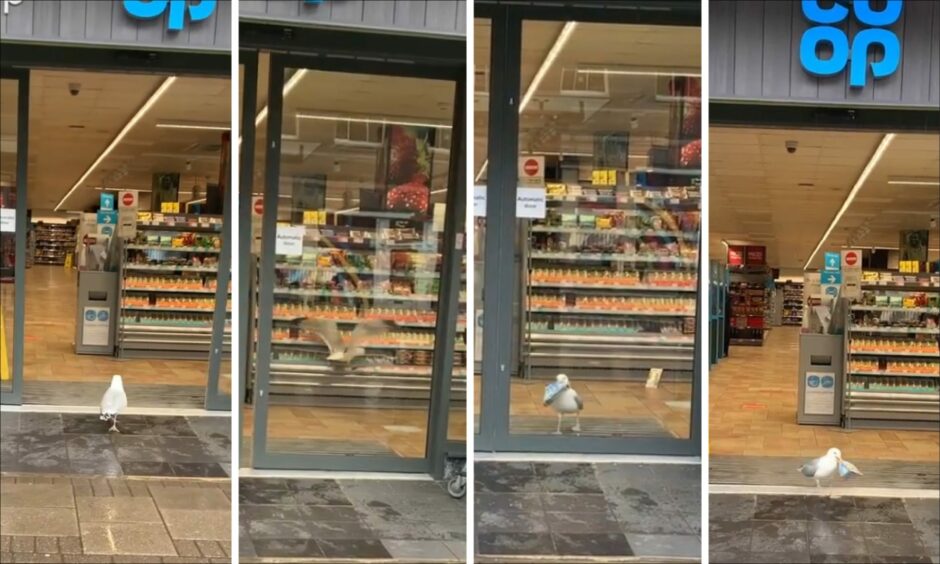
{"x": 790, "y": 296}
{"x": 53, "y": 242}
{"x": 168, "y": 289}
{"x": 750, "y": 303}
{"x": 610, "y": 282}
{"x": 893, "y": 357}
{"x": 355, "y": 314}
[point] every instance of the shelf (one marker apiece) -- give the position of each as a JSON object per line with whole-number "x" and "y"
{"x": 637, "y": 233}
{"x": 672, "y": 341}
{"x": 171, "y": 290}
{"x": 542, "y": 255}
{"x": 890, "y": 353}
{"x": 895, "y": 330}
{"x": 168, "y": 309}
{"x": 174, "y": 249}
{"x": 628, "y": 288}
{"x": 395, "y": 346}
{"x": 165, "y": 268}
{"x": 897, "y": 288}
{"x": 340, "y": 294}
{"x": 361, "y": 272}
{"x": 909, "y": 396}
{"x": 895, "y": 374}
{"x": 612, "y": 312}
{"x": 931, "y": 310}
{"x": 414, "y": 324}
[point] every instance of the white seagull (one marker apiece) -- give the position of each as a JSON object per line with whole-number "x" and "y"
{"x": 113, "y": 402}
{"x": 563, "y": 399}
{"x": 340, "y": 351}
{"x": 827, "y": 465}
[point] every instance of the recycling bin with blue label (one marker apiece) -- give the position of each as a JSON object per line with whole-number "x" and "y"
{"x": 95, "y": 327}
{"x": 821, "y": 376}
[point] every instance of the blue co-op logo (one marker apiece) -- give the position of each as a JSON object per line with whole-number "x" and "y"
{"x": 148, "y": 9}
{"x": 856, "y": 55}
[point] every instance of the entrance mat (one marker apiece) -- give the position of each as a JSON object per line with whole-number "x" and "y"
{"x": 598, "y": 426}
{"x": 80, "y": 444}
{"x": 793, "y": 528}
{"x": 50, "y": 392}
{"x": 348, "y": 520}
{"x": 567, "y": 512}
{"x": 782, "y": 471}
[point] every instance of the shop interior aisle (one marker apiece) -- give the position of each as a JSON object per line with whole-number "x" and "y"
{"x": 752, "y": 412}
{"x": 53, "y": 374}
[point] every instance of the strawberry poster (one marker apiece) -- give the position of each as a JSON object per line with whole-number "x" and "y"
{"x": 408, "y": 170}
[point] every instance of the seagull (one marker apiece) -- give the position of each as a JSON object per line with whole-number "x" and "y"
{"x": 113, "y": 402}
{"x": 341, "y": 352}
{"x": 828, "y": 465}
{"x": 563, "y": 399}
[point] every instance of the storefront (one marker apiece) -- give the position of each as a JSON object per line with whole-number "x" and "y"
{"x": 587, "y": 170}
{"x": 352, "y": 180}
{"x": 824, "y": 192}
{"x": 92, "y": 117}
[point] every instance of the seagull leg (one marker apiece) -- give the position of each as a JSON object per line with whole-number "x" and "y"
{"x": 817, "y": 484}
{"x": 577, "y": 424}
{"x": 114, "y": 424}
{"x": 558, "y": 429}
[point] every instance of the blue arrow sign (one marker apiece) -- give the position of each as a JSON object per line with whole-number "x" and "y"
{"x": 833, "y": 261}
{"x": 833, "y": 278}
{"x": 107, "y": 218}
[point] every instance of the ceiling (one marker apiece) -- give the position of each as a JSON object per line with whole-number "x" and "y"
{"x": 338, "y": 143}
{"x": 761, "y": 194}
{"x": 570, "y": 106}
{"x": 68, "y": 133}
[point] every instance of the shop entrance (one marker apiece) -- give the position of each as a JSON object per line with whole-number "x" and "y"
{"x": 359, "y": 199}
{"x": 116, "y": 258}
{"x": 806, "y": 222}
{"x": 587, "y": 246}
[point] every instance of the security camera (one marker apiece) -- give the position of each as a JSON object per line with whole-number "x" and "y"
{"x": 791, "y": 146}
{"x": 74, "y": 88}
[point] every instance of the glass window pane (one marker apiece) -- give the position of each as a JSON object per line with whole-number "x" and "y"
{"x": 611, "y": 129}
{"x": 9, "y": 96}
{"x": 364, "y": 169}
{"x": 481, "y": 128}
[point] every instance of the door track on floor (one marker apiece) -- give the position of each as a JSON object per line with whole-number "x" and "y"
{"x": 94, "y": 409}
{"x": 512, "y": 559}
{"x": 732, "y": 489}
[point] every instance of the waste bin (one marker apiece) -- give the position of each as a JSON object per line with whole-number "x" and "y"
{"x": 822, "y": 363}
{"x": 95, "y": 328}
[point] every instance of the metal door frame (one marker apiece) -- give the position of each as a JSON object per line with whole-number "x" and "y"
{"x": 18, "y": 59}
{"x": 505, "y": 65}
{"x": 436, "y": 445}
{"x": 15, "y": 395}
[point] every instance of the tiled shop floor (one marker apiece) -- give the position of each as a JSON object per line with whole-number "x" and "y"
{"x": 809, "y": 529}
{"x": 105, "y": 520}
{"x": 71, "y": 443}
{"x": 587, "y": 510}
{"x": 325, "y": 520}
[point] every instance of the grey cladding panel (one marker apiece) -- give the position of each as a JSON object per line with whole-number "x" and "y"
{"x": 105, "y": 22}
{"x": 754, "y": 56}
{"x": 438, "y": 17}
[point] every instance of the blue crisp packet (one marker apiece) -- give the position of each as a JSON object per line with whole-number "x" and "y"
{"x": 552, "y": 390}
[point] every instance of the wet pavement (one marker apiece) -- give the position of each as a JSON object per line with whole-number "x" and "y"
{"x": 80, "y": 444}
{"x": 111, "y": 520}
{"x": 810, "y": 529}
{"x": 591, "y": 511}
{"x": 326, "y": 520}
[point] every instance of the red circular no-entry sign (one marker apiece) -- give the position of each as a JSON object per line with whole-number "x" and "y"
{"x": 128, "y": 199}
{"x": 851, "y": 258}
{"x": 531, "y": 167}
{"x": 259, "y": 206}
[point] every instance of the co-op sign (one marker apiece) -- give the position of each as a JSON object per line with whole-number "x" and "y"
{"x": 853, "y": 55}
{"x": 176, "y": 10}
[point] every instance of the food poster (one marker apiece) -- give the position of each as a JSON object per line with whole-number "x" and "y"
{"x": 408, "y": 168}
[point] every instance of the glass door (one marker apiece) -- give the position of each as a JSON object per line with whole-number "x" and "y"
{"x": 356, "y": 251}
{"x": 14, "y": 120}
{"x": 593, "y": 198}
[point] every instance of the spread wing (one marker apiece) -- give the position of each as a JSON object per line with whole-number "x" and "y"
{"x": 847, "y": 469}
{"x": 113, "y": 401}
{"x": 327, "y": 331}
{"x": 809, "y": 469}
{"x": 367, "y": 330}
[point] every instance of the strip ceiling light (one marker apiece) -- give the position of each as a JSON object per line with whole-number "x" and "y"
{"x": 546, "y": 65}
{"x": 872, "y": 163}
{"x": 158, "y": 93}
